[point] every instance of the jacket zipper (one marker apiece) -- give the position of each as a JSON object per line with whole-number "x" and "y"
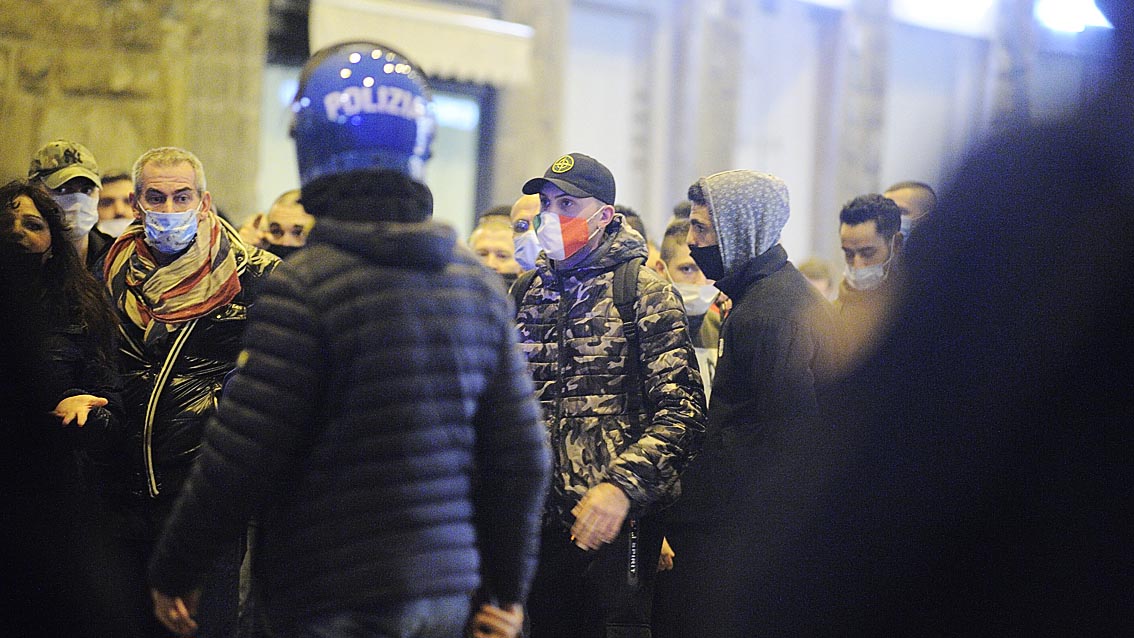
{"x": 151, "y": 407}
{"x": 167, "y": 368}
{"x": 561, "y": 327}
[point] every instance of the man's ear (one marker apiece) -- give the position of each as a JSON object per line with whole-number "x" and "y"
{"x": 661, "y": 268}
{"x": 206, "y": 206}
{"x": 607, "y": 214}
{"x": 132, "y": 201}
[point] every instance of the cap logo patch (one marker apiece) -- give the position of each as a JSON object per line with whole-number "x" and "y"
{"x": 563, "y": 164}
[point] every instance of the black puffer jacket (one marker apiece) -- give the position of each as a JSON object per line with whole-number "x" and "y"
{"x": 382, "y": 429}
{"x": 158, "y": 458}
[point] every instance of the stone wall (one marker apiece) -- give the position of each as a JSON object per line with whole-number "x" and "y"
{"x": 123, "y": 76}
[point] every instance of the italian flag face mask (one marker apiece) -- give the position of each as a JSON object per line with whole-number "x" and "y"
{"x": 562, "y": 236}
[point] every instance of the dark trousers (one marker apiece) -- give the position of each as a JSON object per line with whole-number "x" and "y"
{"x": 134, "y": 533}
{"x": 579, "y": 594}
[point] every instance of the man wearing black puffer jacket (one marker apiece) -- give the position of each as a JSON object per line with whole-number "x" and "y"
{"x": 381, "y": 427}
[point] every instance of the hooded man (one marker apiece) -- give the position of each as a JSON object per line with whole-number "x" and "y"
{"x": 624, "y": 411}
{"x": 381, "y": 427}
{"x": 776, "y": 344}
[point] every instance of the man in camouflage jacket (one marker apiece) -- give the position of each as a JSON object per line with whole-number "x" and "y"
{"x": 615, "y": 465}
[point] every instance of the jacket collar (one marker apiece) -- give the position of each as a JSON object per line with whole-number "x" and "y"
{"x": 735, "y": 283}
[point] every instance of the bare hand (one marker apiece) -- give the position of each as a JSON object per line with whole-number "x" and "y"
{"x": 665, "y": 561}
{"x": 77, "y": 408}
{"x": 599, "y": 516}
{"x": 177, "y": 613}
{"x": 493, "y": 622}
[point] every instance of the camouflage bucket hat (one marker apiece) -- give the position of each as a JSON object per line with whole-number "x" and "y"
{"x": 63, "y": 160}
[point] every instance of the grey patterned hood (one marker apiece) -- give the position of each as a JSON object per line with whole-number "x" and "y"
{"x": 748, "y": 209}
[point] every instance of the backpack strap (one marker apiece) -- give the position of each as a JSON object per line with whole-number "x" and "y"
{"x": 520, "y": 287}
{"x": 625, "y": 288}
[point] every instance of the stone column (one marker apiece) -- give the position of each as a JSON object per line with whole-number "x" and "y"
{"x": 867, "y": 25}
{"x": 707, "y": 64}
{"x": 123, "y": 76}
{"x": 529, "y": 118}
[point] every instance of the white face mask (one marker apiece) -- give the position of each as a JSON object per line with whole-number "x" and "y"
{"x": 869, "y": 277}
{"x": 527, "y": 249}
{"x": 171, "y": 233}
{"x": 80, "y": 212}
{"x": 697, "y": 298}
{"x": 114, "y": 227}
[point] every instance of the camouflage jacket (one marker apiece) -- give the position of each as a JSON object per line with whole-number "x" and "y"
{"x": 572, "y": 336}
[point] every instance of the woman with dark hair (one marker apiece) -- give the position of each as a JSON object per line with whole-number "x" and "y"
{"x": 59, "y": 414}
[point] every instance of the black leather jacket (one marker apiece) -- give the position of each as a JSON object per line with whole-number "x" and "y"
{"x": 171, "y": 388}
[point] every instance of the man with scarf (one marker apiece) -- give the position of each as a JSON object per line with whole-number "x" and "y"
{"x": 748, "y": 487}
{"x": 182, "y": 283}
{"x": 624, "y": 413}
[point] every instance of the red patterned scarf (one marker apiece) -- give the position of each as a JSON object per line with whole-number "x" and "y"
{"x": 201, "y": 280}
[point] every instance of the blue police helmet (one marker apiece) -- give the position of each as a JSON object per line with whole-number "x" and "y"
{"x": 361, "y": 105}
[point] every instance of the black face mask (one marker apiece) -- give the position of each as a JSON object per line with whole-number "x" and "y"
{"x": 282, "y": 251}
{"x": 709, "y": 260}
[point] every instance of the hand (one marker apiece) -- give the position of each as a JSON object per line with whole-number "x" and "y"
{"x": 177, "y": 613}
{"x": 599, "y": 516}
{"x": 724, "y": 303}
{"x": 665, "y": 561}
{"x": 493, "y": 622}
{"x": 77, "y": 407}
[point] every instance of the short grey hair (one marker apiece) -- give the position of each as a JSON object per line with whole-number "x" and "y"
{"x": 169, "y": 156}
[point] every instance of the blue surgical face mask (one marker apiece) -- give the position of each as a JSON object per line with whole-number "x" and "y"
{"x": 527, "y": 249}
{"x": 171, "y": 233}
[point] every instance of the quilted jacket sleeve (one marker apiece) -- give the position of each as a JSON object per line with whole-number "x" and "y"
{"x": 514, "y": 467}
{"x": 648, "y": 471}
{"x": 251, "y": 441}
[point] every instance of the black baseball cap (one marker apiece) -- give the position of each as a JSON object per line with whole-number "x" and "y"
{"x": 577, "y": 175}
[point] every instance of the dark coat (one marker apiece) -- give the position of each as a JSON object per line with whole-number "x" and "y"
{"x": 985, "y": 474}
{"x": 189, "y": 397}
{"x": 53, "y": 566}
{"x": 754, "y": 483}
{"x": 381, "y": 429}
{"x": 777, "y": 343}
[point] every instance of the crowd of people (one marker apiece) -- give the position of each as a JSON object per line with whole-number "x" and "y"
{"x": 341, "y": 419}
